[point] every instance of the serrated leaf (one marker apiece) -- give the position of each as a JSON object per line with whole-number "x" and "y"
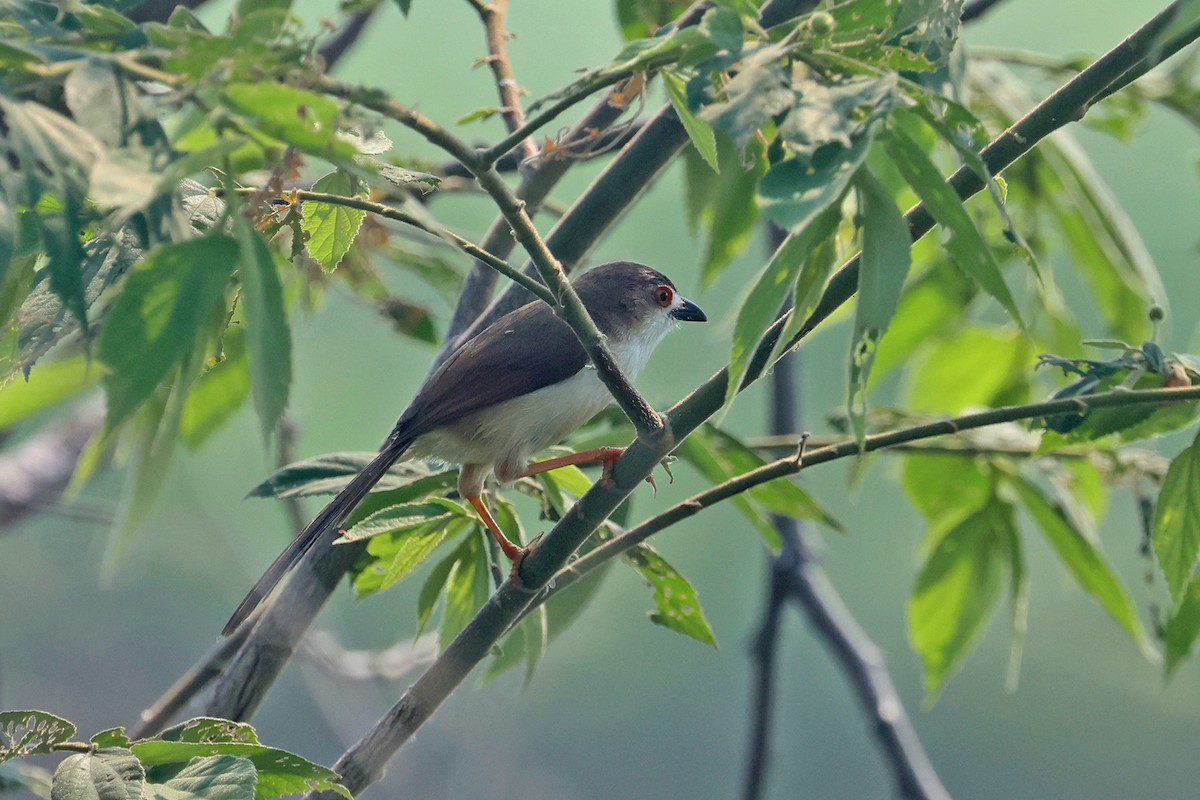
{"x": 108, "y": 774}
{"x": 24, "y": 733}
{"x": 209, "y": 730}
{"x": 1182, "y": 628}
{"x": 113, "y": 737}
{"x": 405, "y": 517}
{"x": 400, "y": 552}
{"x": 332, "y": 228}
{"x": 155, "y": 320}
{"x": 676, "y": 604}
{"x": 965, "y": 244}
{"x": 1081, "y": 557}
{"x": 883, "y": 268}
{"x": 770, "y": 290}
{"x": 699, "y": 132}
{"x": 278, "y": 771}
{"x": 1177, "y": 521}
{"x": 268, "y": 337}
{"x": 956, "y": 589}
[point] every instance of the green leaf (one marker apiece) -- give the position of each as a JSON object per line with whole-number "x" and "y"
{"x": 398, "y": 554}
{"x": 886, "y": 258}
{"x": 48, "y": 386}
{"x": 1182, "y": 628}
{"x": 155, "y": 320}
{"x": 794, "y": 191}
{"x": 101, "y": 100}
{"x": 759, "y": 91}
{"x": 1081, "y": 556}
{"x": 677, "y": 606}
{"x": 113, "y": 737}
{"x": 467, "y": 588}
{"x": 24, "y": 733}
{"x": 699, "y": 451}
{"x": 700, "y": 132}
{"x": 108, "y": 774}
{"x": 209, "y": 730}
{"x": 432, "y": 588}
{"x": 771, "y": 288}
{"x": 405, "y": 517}
{"x": 724, "y": 27}
{"x": 332, "y": 228}
{"x": 268, "y": 338}
{"x": 329, "y": 474}
{"x": 730, "y": 213}
{"x": 956, "y": 589}
{"x": 222, "y": 777}
{"x": 977, "y": 366}
{"x": 965, "y": 245}
{"x": 1177, "y": 521}
{"x": 278, "y": 771}
{"x": 219, "y": 391}
{"x": 924, "y": 479}
{"x": 302, "y": 119}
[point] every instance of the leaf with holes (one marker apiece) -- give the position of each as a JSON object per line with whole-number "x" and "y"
{"x": 676, "y": 605}
{"x": 331, "y": 229}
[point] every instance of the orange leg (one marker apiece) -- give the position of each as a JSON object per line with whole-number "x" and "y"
{"x": 515, "y": 553}
{"x": 608, "y": 456}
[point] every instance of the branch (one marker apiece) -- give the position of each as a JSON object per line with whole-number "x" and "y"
{"x": 492, "y": 15}
{"x": 334, "y": 48}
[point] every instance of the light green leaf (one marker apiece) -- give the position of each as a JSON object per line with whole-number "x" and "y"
{"x": 432, "y": 588}
{"x": 771, "y": 289}
{"x": 24, "y": 733}
{"x": 47, "y": 386}
{"x": 331, "y": 228}
{"x": 400, "y": 553}
{"x": 882, "y": 271}
{"x": 155, "y": 320}
{"x": 956, "y": 589}
{"x": 1081, "y": 556}
{"x": 965, "y": 245}
{"x": 700, "y": 132}
{"x": 219, "y": 392}
{"x": 1182, "y": 628}
{"x": 467, "y": 588}
{"x": 302, "y": 119}
{"x": 108, "y": 774}
{"x": 268, "y": 338}
{"x": 924, "y": 479}
{"x": 1177, "y": 521}
{"x": 978, "y": 366}
{"x": 223, "y": 777}
{"x": 677, "y": 606}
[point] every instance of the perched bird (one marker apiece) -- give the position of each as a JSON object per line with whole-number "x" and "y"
{"x": 523, "y": 384}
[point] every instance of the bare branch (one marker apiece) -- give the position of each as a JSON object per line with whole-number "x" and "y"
{"x": 493, "y": 16}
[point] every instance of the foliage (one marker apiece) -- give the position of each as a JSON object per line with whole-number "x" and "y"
{"x": 171, "y": 195}
{"x": 201, "y": 758}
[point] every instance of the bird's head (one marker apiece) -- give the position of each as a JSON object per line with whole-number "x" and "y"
{"x": 632, "y": 300}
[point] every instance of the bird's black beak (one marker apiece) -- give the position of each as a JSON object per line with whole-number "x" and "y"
{"x": 689, "y": 312}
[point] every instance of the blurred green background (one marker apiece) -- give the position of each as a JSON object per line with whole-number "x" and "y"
{"x": 619, "y": 707}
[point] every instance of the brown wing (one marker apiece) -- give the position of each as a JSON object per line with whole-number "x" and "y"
{"x": 521, "y": 352}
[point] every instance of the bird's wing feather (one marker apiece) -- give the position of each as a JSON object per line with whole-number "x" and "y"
{"x": 521, "y": 352}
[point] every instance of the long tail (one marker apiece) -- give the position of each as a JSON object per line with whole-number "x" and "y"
{"x": 329, "y": 519}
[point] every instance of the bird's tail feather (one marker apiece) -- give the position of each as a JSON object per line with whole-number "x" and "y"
{"x": 330, "y": 517}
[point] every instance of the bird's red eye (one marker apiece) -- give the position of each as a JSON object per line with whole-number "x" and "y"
{"x": 663, "y": 295}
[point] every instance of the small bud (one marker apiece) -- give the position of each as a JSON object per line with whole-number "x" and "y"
{"x": 1157, "y": 313}
{"x": 822, "y": 23}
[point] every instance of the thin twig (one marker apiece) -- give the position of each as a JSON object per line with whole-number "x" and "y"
{"x": 493, "y": 17}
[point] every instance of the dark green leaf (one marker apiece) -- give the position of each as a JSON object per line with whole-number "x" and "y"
{"x": 329, "y": 473}
{"x": 24, "y": 733}
{"x": 965, "y": 245}
{"x": 332, "y": 228}
{"x": 155, "y": 321}
{"x": 731, "y": 212}
{"x": 1182, "y": 628}
{"x": 1177, "y": 521}
{"x": 108, "y": 774}
{"x": 956, "y": 589}
{"x": 268, "y": 338}
{"x": 222, "y": 777}
{"x": 1081, "y": 556}
{"x": 759, "y": 91}
{"x": 771, "y": 289}
{"x": 882, "y": 271}
{"x": 113, "y": 737}
{"x": 432, "y": 588}
{"x": 794, "y": 191}
{"x": 724, "y": 27}
{"x": 677, "y": 606}
{"x": 699, "y": 451}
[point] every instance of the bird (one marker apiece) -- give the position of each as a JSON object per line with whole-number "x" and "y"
{"x": 522, "y": 384}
